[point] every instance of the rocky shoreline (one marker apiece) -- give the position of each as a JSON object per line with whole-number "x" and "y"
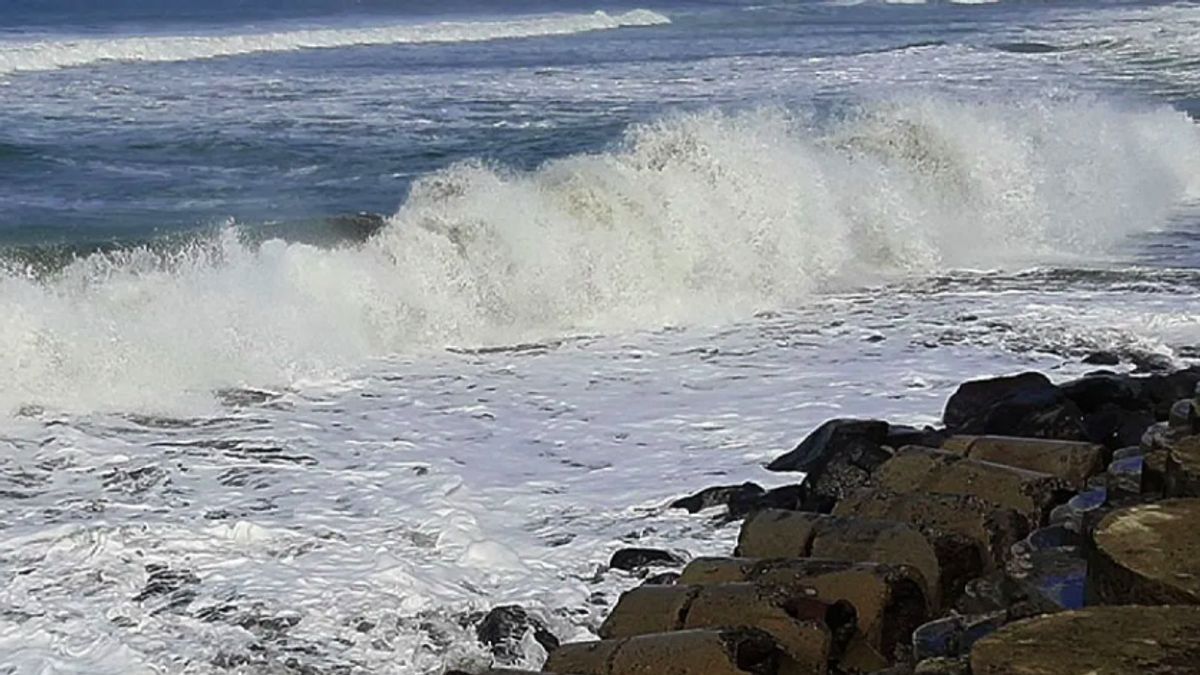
{"x": 1043, "y": 529}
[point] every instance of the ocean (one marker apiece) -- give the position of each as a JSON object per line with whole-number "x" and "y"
{"x": 613, "y": 252}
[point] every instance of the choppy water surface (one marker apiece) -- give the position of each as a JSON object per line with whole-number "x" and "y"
{"x": 630, "y": 250}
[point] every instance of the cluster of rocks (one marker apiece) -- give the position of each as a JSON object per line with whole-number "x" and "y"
{"x": 1045, "y": 529}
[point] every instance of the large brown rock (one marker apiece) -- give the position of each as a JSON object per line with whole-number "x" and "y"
{"x": 1073, "y": 462}
{"x": 1095, "y": 641}
{"x": 733, "y": 651}
{"x": 970, "y": 536}
{"x": 926, "y": 470}
{"x": 791, "y": 534}
{"x": 1147, "y": 554}
{"x": 801, "y": 624}
{"x": 1182, "y": 468}
{"x": 889, "y": 601}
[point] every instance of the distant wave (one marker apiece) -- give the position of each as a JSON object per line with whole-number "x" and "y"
{"x": 50, "y": 55}
{"x": 703, "y": 217}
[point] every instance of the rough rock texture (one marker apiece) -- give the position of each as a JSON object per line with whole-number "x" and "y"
{"x": 503, "y": 629}
{"x": 838, "y": 457}
{"x": 734, "y": 651}
{"x": 634, "y": 559}
{"x": 1182, "y": 470}
{"x": 802, "y": 625}
{"x": 925, "y": 470}
{"x": 970, "y": 536}
{"x": 1071, "y": 461}
{"x": 782, "y": 534}
{"x": 1099, "y": 641}
{"x": 721, "y": 495}
{"x": 1019, "y": 405}
{"x": 1147, "y": 554}
{"x": 889, "y": 601}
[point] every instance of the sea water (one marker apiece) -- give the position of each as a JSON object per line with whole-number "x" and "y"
{"x": 626, "y": 250}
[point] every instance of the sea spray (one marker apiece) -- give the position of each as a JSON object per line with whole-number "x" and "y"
{"x": 692, "y": 219}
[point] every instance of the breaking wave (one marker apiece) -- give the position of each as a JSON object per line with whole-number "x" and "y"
{"x": 51, "y": 55}
{"x": 696, "y": 218}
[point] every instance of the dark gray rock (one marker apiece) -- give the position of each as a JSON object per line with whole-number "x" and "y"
{"x": 504, "y": 628}
{"x": 1185, "y": 416}
{"x": 1102, "y": 359}
{"x": 953, "y": 636}
{"x": 636, "y": 559}
{"x": 721, "y": 495}
{"x": 838, "y": 457}
{"x": 973, "y": 400}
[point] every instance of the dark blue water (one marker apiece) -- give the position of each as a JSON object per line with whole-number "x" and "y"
{"x": 107, "y": 151}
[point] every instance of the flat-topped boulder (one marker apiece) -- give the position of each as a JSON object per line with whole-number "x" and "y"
{"x": 794, "y": 534}
{"x": 1147, "y": 554}
{"x": 802, "y": 625}
{"x": 889, "y": 601}
{"x": 1095, "y": 641}
{"x": 731, "y": 651}
{"x": 1073, "y": 462}
{"x": 926, "y": 470}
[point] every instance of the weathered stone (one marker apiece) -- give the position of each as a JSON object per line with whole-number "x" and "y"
{"x": 1071, "y": 461}
{"x": 1071, "y": 514}
{"x": 838, "y": 457}
{"x": 1114, "y": 427}
{"x": 1050, "y": 562}
{"x": 998, "y": 592}
{"x": 1182, "y": 470}
{"x": 721, "y": 495}
{"x": 1162, "y": 391}
{"x": 1019, "y": 405}
{"x": 801, "y": 624}
{"x": 1147, "y": 554}
{"x": 972, "y": 400}
{"x": 1185, "y": 416}
{"x": 1124, "y": 476}
{"x": 943, "y": 666}
{"x": 784, "y": 534}
{"x": 922, "y": 470}
{"x": 504, "y": 628}
{"x": 649, "y": 609}
{"x": 733, "y": 651}
{"x": 1102, "y": 358}
{"x": 899, "y": 436}
{"x": 954, "y": 635}
{"x": 634, "y": 559}
{"x": 888, "y": 600}
{"x": 970, "y": 536}
{"x": 1101, "y": 640}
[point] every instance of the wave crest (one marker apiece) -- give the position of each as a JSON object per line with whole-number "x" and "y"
{"x": 695, "y": 218}
{"x": 51, "y": 55}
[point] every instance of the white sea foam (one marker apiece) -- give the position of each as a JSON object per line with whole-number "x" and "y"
{"x": 697, "y": 218}
{"x": 49, "y": 55}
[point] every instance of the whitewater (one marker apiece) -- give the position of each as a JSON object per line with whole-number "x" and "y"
{"x": 623, "y": 253}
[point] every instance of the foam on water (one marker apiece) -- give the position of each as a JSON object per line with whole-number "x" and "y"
{"x": 698, "y": 218}
{"x": 49, "y": 55}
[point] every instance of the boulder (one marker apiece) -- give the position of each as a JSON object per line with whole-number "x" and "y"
{"x": 1070, "y": 461}
{"x": 729, "y": 651}
{"x": 1185, "y": 416}
{"x": 789, "y": 534}
{"x": 925, "y": 470}
{"x": 838, "y": 457}
{"x": 954, "y": 635}
{"x": 1147, "y": 554}
{"x": 1162, "y": 391}
{"x": 638, "y": 559}
{"x": 721, "y": 495}
{"x": 888, "y": 600}
{"x": 1019, "y": 405}
{"x": 802, "y": 625}
{"x": 504, "y": 628}
{"x": 1102, "y": 640}
{"x": 1182, "y": 470}
{"x": 969, "y": 536}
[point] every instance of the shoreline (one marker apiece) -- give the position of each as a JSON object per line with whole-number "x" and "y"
{"x": 1034, "y": 513}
